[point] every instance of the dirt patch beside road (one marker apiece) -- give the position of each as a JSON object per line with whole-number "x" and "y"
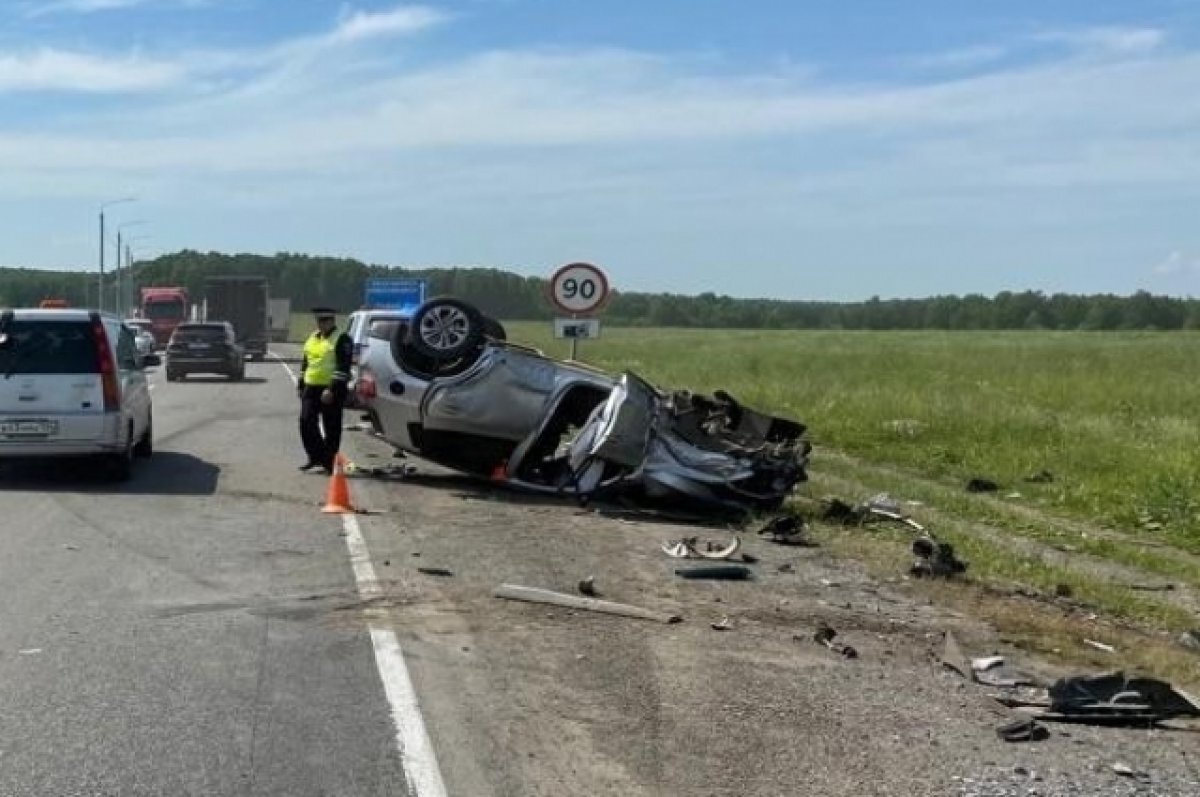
{"x": 526, "y": 699}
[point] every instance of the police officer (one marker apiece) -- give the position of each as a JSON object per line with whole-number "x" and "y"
{"x": 324, "y": 376}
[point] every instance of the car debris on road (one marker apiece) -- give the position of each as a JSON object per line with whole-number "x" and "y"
{"x": 935, "y": 559}
{"x": 825, "y": 636}
{"x": 1101, "y": 646}
{"x": 723, "y": 625}
{"x": 788, "y": 530}
{"x": 878, "y": 507}
{"x": 1111, "y": 698}
{"x": 953, "y": 658}
{"x": 717, "y": 573}
{"x": 1025, "y": 729}
{"x": 690, "y": 548}
{"x": 516, "y": 592}
{"x": 1117, "y": 699}
{"x": 995, "y": 671}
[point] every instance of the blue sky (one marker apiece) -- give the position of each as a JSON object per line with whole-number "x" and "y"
{"x": 784, "y": 148}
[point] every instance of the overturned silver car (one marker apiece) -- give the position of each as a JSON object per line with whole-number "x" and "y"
{"x": 447, "y": 387}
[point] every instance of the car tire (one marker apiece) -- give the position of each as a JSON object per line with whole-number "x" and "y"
{"x": 446, "y": 329}
{"x": 120, "y": 466}
{"x": 494, "y": 329}
{"x": 145, "y": 447}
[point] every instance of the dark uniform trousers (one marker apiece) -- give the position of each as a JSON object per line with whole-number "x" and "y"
{"x": 321, "y": 424}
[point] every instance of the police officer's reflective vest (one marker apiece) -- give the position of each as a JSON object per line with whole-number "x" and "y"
{"x": 320, "y": 357}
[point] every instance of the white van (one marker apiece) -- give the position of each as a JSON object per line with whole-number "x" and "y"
{"x": 72, "y": 385}
{"x": 358, "y": 327}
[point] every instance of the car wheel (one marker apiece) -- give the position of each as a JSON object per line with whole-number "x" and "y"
{"x": 145, "y": 446}
{"x": 121, "y": 465}
{"x": 446, "y": 329}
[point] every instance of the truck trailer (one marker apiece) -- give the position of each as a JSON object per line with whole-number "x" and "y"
{"x": 281, "y": 319}
{"x": 243, "y": 301}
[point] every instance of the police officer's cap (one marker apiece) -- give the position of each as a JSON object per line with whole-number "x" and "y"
{"x": 324, "y": 312}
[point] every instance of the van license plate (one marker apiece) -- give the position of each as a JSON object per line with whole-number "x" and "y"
{"x": 28, "y": 428}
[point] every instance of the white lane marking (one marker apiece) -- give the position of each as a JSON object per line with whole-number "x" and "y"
{"x": 291, "y": 374}
{"x": 412, "y": 739}
{"x": 416, "y": 750}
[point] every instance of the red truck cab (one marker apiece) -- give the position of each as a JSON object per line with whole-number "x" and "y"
{"x": 166, "y": 308}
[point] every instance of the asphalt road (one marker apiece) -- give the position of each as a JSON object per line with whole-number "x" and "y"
{"x": 196, "y": 631}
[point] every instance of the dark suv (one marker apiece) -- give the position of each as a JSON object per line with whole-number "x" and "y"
{"x": 205, "y": 348}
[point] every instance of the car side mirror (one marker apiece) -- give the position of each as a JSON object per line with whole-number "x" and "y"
{"x": 148, "y": 360}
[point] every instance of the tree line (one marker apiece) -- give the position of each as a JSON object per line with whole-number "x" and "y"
{"x": 339, "y": 282}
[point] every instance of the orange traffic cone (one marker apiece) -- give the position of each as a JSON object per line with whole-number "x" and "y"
{"x": 337, "y": 500}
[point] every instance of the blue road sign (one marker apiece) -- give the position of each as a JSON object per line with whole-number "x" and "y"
{"x": 403, "y": 295}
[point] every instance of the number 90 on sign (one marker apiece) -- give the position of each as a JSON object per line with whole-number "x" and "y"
{"x": 584, "y": 289}
{"x": 579, "y": 288}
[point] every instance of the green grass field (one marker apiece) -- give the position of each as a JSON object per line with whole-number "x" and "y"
{"x": 1114, "y": 417}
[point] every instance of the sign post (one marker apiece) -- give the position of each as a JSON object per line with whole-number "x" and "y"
{"x": 579, "y": 290}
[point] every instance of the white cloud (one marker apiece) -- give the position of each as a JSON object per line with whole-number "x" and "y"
{"x": 1103, "y": 43}
{"x": 41, "y": 9}
{"x": 962, "y": 57}
{"x": 1177, "y": 263}
{"x": 1118, "y": 41}
{"x": 359, "y": 25}
{"x": 58, "y": 70}
{"x": 1056, "y": 124}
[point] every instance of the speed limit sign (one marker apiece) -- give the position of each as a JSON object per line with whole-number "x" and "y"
{"x": 579, "y": 288}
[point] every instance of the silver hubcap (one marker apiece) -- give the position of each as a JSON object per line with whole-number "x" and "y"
{"x": 444, "y": 328}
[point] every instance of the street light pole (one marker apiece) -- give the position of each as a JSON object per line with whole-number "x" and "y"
{"x": 128, "y": 271}
{"x": 117, "y": 278}
{"x": 100, "y": 285}
{"x": 121, "y": 276}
